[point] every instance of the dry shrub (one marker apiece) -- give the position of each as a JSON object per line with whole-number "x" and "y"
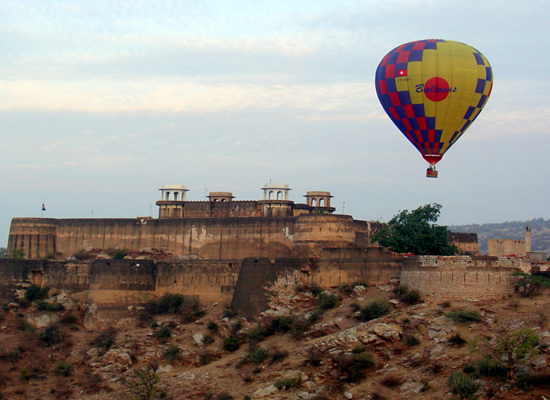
{"x": 51, "y": 336}
{"x": 352, "y": 367}
{"x": 391, "y": 381}
{"x": 462, "y": 384}
{"x": 277, "y": 355}
{"x": 314, "y": 357}
{"x": 375, "y": 309}
{"x": 206, "y": 357}
{"x": 61, "y": 389}
{"x": 104, "y": 340}
{"x": 91, "y": 382}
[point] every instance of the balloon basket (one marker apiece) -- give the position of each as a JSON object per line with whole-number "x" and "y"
{"x": 431, "y": 172}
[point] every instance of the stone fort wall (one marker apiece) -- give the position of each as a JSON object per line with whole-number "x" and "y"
{"x": 115, "y": 284}
{"x": 209, "y": 209}
{"x": 209, "y": 238}
{"x": 107, "y": 285}
{"x": 463, "y": 277}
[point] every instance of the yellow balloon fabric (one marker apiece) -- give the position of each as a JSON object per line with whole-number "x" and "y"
{"x": 433, "y": 90}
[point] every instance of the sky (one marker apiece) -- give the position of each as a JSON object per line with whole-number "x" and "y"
{"x": 103, "y": 102}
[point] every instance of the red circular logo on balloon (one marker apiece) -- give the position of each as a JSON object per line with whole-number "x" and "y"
{"x": 436, "y": 89}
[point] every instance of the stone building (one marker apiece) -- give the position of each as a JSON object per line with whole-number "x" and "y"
{"x": 275, "y": 203}
{"x": 465, "y": 242}
{"x": 505, "y": 247}
{"x": 217, "y": 228}
{"x": 233, "y": 250}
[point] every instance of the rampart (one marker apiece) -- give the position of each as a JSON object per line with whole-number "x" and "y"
{"x": 208, "y": 238}
{"x": 108, "y": 287}
{"x": 116, "y": 284}
{"x": 208, "y": 209}
{"x": 463, "y": 277}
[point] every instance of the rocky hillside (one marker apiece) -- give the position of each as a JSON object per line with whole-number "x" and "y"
{"x": 540, "y": 232}
{"x": 351, "y": 342}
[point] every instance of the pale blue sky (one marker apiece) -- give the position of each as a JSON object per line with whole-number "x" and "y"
{"x": 103, "y": 102}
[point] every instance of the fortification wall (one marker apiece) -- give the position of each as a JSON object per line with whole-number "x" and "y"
{"x": 118, "y": 283}
{"x": 314, "y": 232}
{"x": 336, "y": 272}
{"x": 107, "y": 285}
{"x": 210, "y": 238}
{"x": 462, "y": 277}
{"x": 36, "y": 237}
{"x": 257, "y": 275}
{"x": 208, "y": 280}
{"x": 208, "y": 209}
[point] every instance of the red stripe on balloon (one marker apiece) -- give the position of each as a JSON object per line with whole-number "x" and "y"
{"x": 409, "y": 111}
{"x": 390, "y": 71}
{"x": 394, "y": 97}
{"x": 382, "y": 87}
{"x": 403, "y": 57}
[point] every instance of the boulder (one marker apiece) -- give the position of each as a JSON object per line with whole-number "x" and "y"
{"x": 389, "y": 332}
{"x": 199, "y": 339}
{"x": 119, "y": 359}
{"x": 42, "y": 321}
{"x": 64, "y": 299}
{"x": 164, "y": 369}
{"x": 539, "y": 363}
{"x": 264, "y": 392}
{"x": 411, "y": 387}
{"x": 189, "y": 376}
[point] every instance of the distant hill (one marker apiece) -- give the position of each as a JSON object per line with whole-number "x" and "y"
{"x": 540, "y": 233}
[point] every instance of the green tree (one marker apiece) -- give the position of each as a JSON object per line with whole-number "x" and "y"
{"x": 511, "y": 350}
{"x": 416, "y": 232}
{"x": 3, "y": 252}
{"x": 529, "y": 285}
{"x": 142, "y": 385}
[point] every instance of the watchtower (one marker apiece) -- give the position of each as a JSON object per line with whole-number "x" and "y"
{"x": 276, "y": 191}
{"x": 173, "y": 192}
{"x": 172, "y": 200}
{"x": 276, "y": 202}
{"x": 318, "y": 199}
{"x": 221, "y": 197}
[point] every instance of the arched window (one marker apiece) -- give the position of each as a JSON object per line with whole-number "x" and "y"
{"x": 314, "y": 202}
{"x": 167, "y": 196}
{"x": 279, "y": 195}
{"x": 270, "y": 195}
{"x": 321, "y": 202}
{"x": 176, "y": 196}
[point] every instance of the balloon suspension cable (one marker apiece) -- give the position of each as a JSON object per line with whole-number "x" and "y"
{"x": 431, "y": 172}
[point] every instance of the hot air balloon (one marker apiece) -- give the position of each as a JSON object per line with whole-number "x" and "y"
{"x": 433, "y": 90}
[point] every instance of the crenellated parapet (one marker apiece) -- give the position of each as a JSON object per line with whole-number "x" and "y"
{"x": 208, "y": 209}
{"x": 275, "y": 203}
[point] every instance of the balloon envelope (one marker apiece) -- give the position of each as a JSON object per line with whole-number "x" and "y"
{"x": 433, "y": 90}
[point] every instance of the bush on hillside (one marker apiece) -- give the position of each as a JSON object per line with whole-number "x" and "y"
{"x": 375, "y": 309}
{"x": 35, "y": 292}
{"x": 462, "y": 384}
{"x": 464, "y": 316}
